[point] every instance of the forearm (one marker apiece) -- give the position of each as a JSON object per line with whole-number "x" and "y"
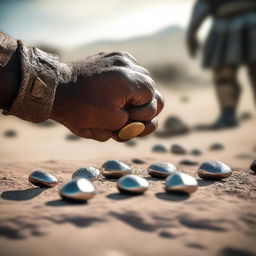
{"x": 28, "y": 80}
{"x": 201, "y": 10}
{"x": 9, "y": 71}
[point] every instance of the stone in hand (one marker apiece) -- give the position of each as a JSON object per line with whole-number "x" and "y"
{"x": 114, "y": 169}
{"x": 87, "y": 172}
{"x": 78, "y": 190}
{"x": 131, "y": 130}
{"x": 214, "y": 170}
{"x": 132, "y": 184}
{"x": 161, "y": 170}
{"x": 42, "y": 179}
{"x": 180, "y": 182}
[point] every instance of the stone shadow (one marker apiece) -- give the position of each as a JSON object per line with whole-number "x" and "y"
{"x": 22, "y": 195}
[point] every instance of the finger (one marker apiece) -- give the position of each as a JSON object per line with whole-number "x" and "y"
{"x": 150, "y": 127}
{"x": 124, "y": 61}
{"x": 160, "y": 102}
{"x": 143, "y": 113}
{"x": 101, "y": 135}
{"x": 120, "y": 53}
{"x": 118, "y": 118}
{"x": 142, "y": 91}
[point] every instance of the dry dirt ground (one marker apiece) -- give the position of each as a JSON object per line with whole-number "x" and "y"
{"x": 218, "y": 219}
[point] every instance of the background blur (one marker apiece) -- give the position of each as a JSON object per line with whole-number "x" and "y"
{"x": 152, "y": 31}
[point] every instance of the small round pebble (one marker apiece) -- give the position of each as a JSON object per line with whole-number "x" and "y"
{"x": 131, "y": 143}
{"x": 161, "y": 170}
{"x": 188, "y": 162}
{"x": 131, "y": 130}
{"x": 138, "y": 161}
{"x": 214, "y": 170}
{"x": 132, "y": 184}
{"x": 114, "y": 169}
{"x": 42, "y": 179}
{"x": 217, "y": 146}
{"x": 196, "y": 152}
{"x": 180, "y": 182}
{"x": 78, "y": 190}
{"x": 253, "y": 166}
{"x": 178, "y": 149}
{"x": 87, "y": 172}
{"x": 159, "y": 148}
{"x": 72, "y": 136}
{"x": 10, "y": 133}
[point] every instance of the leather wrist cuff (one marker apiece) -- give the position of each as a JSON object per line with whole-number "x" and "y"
{"x": 39, "y": 80}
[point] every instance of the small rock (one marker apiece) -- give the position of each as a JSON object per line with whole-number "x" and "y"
{"x": 159, "y": 148}
{"x": 214, "y": 170}
{"x": 131, "y": 143}
{"x": 188, "y": 162}
{"x": 138, "y": 161}
{"x": 246, "y": 116}
{"x": 77, "y": 190}
{"x": 10, "y": 133}
{"x": 88, "y": 172}
{"x": 253, "y": 166}
{"x": 184, "y": 98}
{"x": 217, "y": 146}
{"x": 47, "y": 123}
{"x": 42, "y": 179}
{"x": 173, "y": 126}
{"x": 178, "y": 149}
{"x": 132, "y": 184}
{"x": 114, "y": 169}
{"x": 180, "y": 182}
{"x": 161, "y": 170}
{"x": 72, "y": 136}
{"x": 196, "y": 152}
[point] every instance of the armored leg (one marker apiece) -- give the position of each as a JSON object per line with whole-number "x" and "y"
{"x": 228, "y": 93}
{"x": 252, "y": 76}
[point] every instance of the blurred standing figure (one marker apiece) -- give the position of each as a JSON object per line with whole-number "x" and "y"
{"x": 231, "y": 43}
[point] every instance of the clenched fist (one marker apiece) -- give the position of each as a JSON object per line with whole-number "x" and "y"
{"x": 100, "y": 94}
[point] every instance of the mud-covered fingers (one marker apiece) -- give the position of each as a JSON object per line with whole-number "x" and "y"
{"x": 150, "y": 127}
{"x": 122, "y": 54}
{"x": 143, "y": 113}
{"x": 160, "y": 102}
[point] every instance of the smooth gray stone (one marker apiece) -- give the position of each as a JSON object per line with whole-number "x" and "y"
{"x": 214, "y": 170}
{"x": 178, "y": 149}
{"x": 87, "y": 172}
{"x": 196, "y": 152}
{"x": 114, "y": 169}
{"x": 188, "y": 162}
{"x": 253, "y": 166}
{"x": 132, "y": 184}
{"x": 42, "y": 179}
{"x": 180, "y": 182}
{"x": 161, "y": 170}
{"x": 159, "y": 148}
{"x": 217, "y": 146}
{"x": 78, "y": 189}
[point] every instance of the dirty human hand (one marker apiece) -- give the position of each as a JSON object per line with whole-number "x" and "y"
{"x": 99, "y": 95}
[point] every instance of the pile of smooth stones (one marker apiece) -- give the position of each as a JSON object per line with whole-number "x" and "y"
{"x": 81, "y": 188}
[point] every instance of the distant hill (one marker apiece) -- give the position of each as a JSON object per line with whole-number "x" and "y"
{"x": 158, "y": 51}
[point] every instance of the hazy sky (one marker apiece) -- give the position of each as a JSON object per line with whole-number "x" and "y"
{"x": 73, "y": 22}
